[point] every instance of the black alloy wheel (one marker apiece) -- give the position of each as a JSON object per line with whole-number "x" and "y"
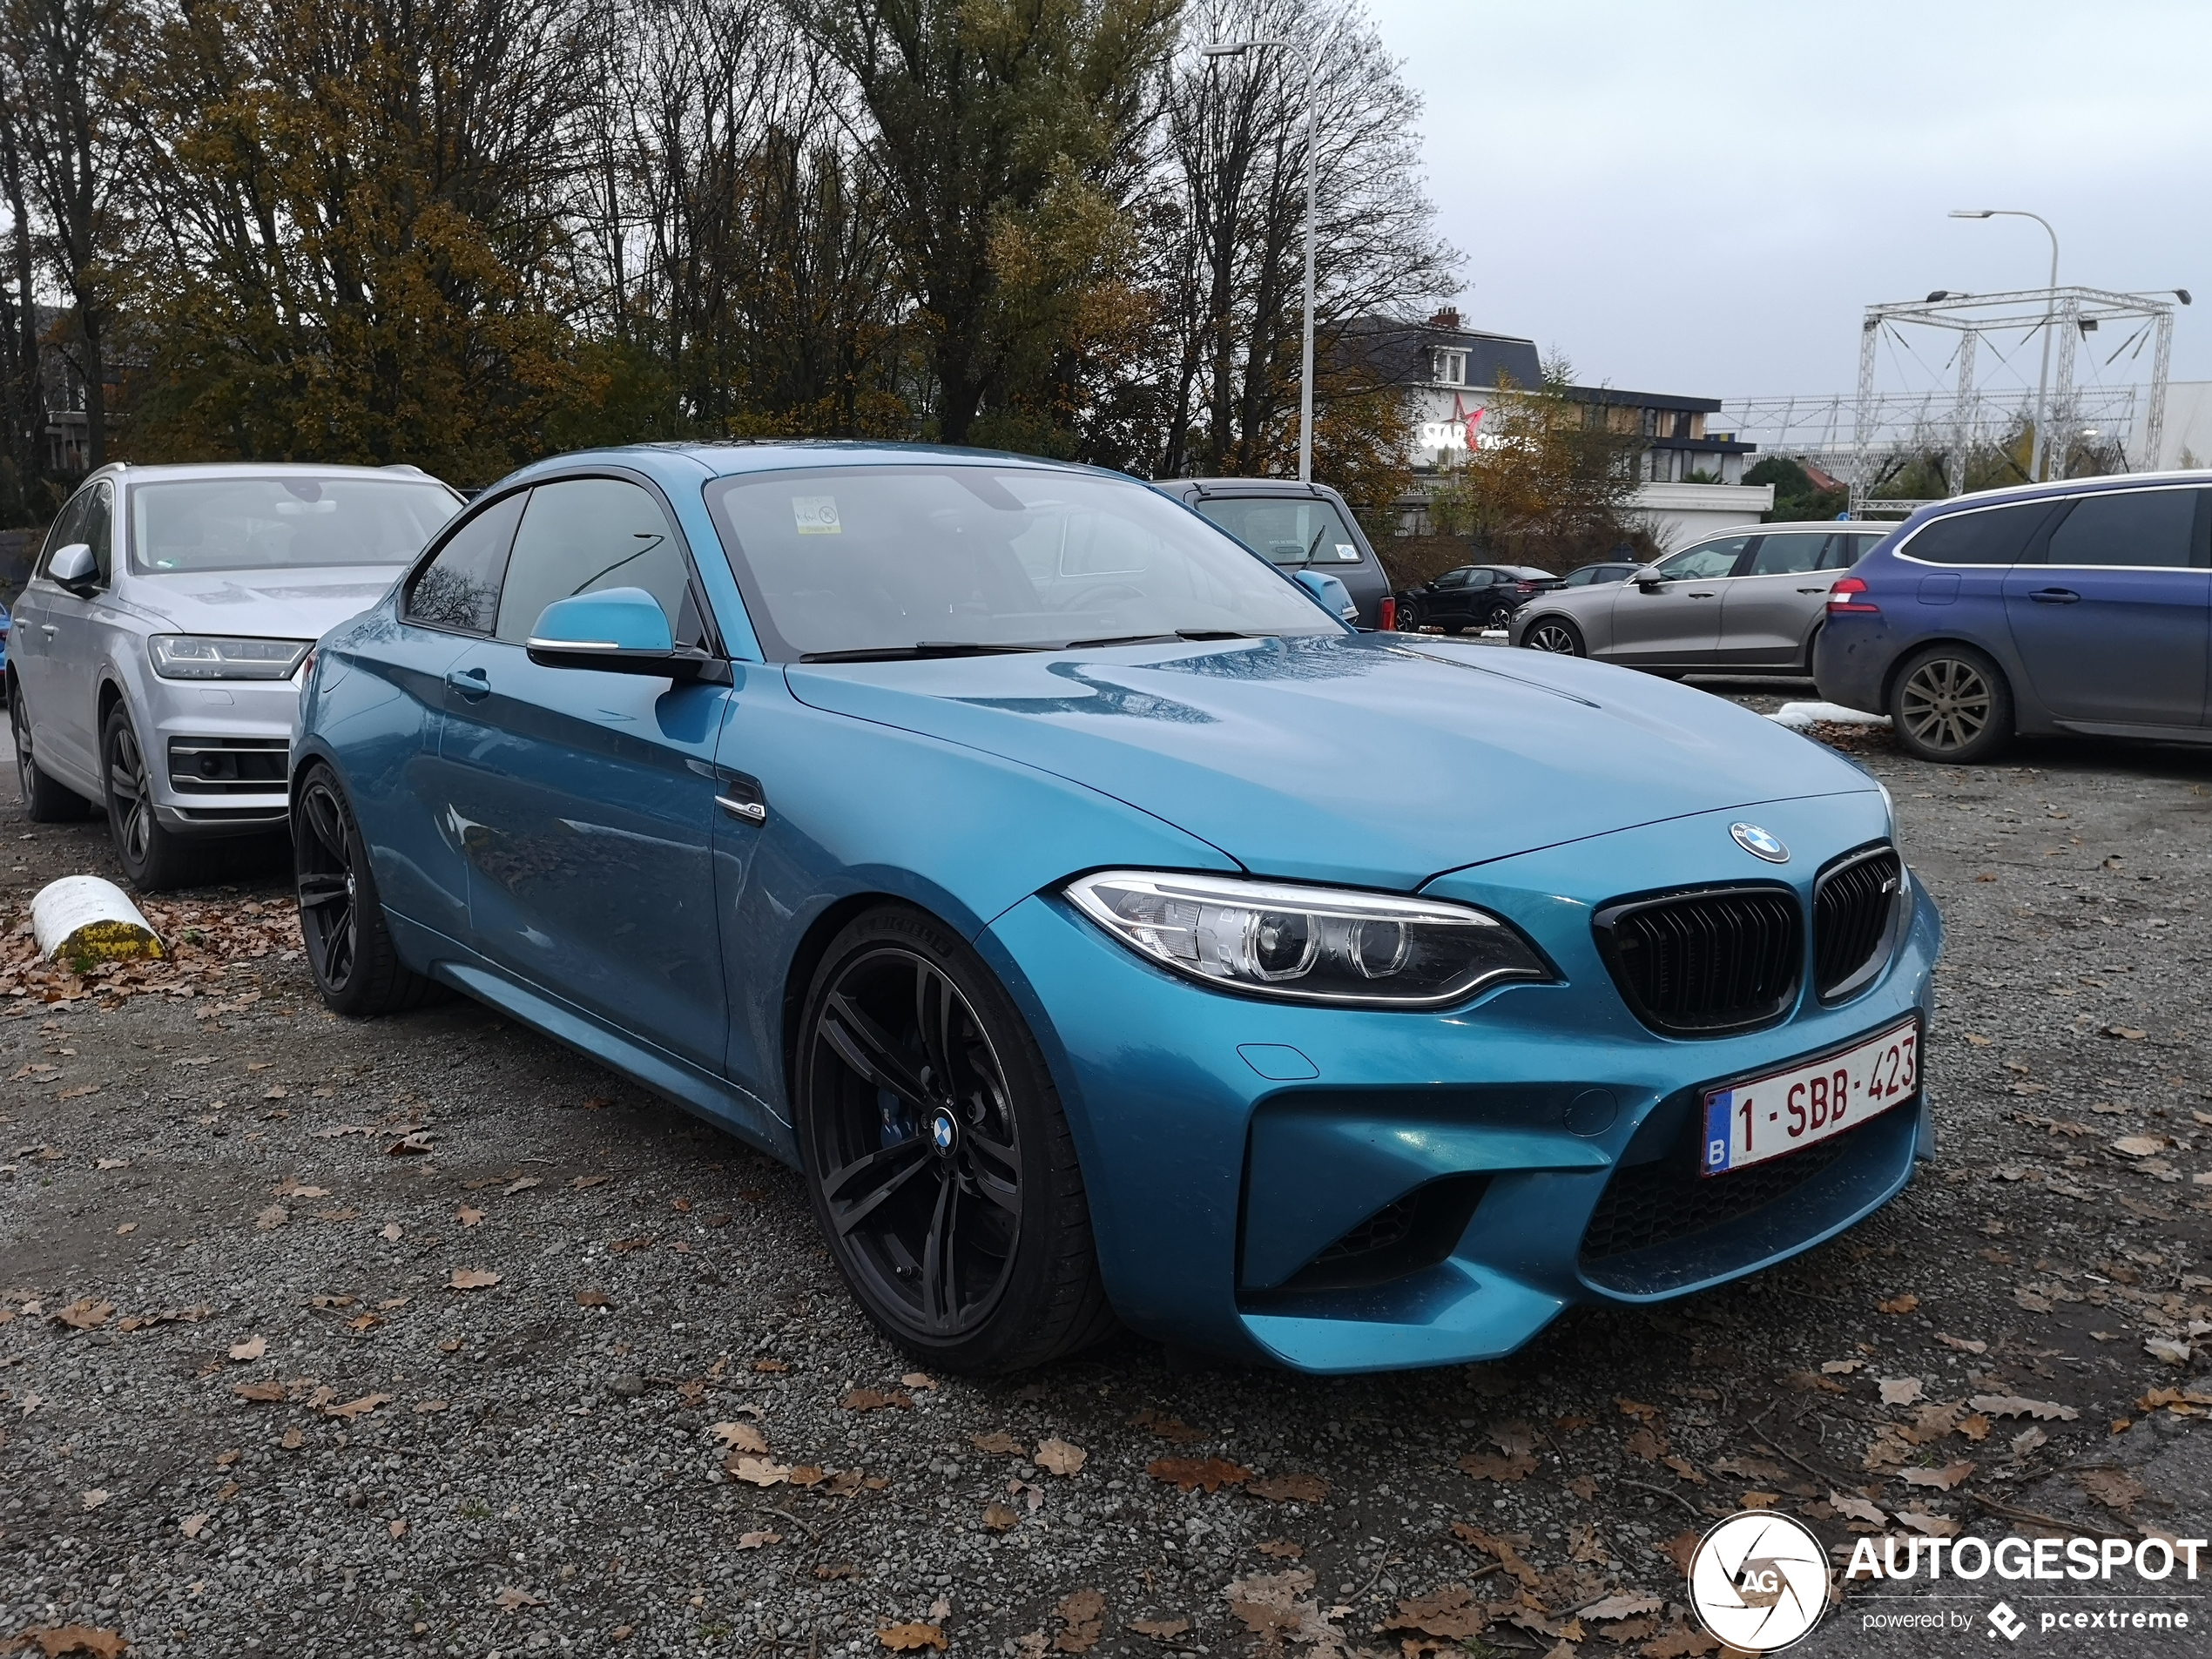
{"x": 154, "y": 858}
{"x": 1499, "y": 617}
{"x": 942, "y": 1169}
{"x": 1951, "y": 703}
{"x": 350, "y": 952}
{"x": 1554, "y": 634}
{"x": 1408, "y": 617}
{"x": 44, "y": 801}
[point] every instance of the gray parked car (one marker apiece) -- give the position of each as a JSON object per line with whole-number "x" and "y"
{"x": 1297, "y": 527}
{"x": 1749, "y": 601}
{"x": 158, "y": 642}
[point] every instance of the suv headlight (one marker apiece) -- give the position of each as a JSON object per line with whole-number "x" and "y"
{"x": 1308, "y": 944}
{"x": 211, "y": 656}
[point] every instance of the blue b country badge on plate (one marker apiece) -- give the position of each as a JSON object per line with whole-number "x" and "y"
{"x": 1720, "y": 1107}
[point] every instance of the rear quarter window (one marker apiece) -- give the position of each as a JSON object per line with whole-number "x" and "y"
{"x": 1992, "y": 535}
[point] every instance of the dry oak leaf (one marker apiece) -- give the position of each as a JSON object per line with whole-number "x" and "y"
{"x": 1485, "y": 1466}
{"x": 2167, "y": 1350}
{"x": 1188, "y": 1475}
{"x": 1683, "y": 1641}
{"x": 1058, "y": 1457}
{"x": 595, "y": 1298}
{"x": 1622, "y": 1604}
{"x": 429, "y": 1407}
{"x": 1646, "y": 1445}
{"x": 191, "y": 1525}
{"x": 1942, "y": 1479}
{"x": 408, "y": 1144}
{"x": 1682, "y": 1467}
{"x": 837, "y": 1570}
{"x": 584, "y": 1181}
{"x": 1451, "y": 1612}
{"x": 758, "y": 1471}
{"x": 252, "y": 1348}
{"x": 807, "y": 1474}
{"x": 1282, "y": 1549}
{"x": 2028, "y": 1439}
{"x": 1681, "y": 1549}
{"x": 1900, "y": 1391}
{"x": 771, "y": 1367}
{"x": 55, "y": 1640}
{"x": 917, "y": 1379}
{"x": 1584, "y": 1487}
{"x": 95, "y": 1498}
{"x": 389, "y": 1232}
{"x": 998, "y": 1442}
{"x": 738, "y": 1437}
{"x": 1001, "y": 1517}
{"x": 353, "y": 1408}
{"x": 1291, "y": 1488}
{"x": 520, "y": 1184}
{"x": 1161, "y": 1629}
{"x": 84, "y": 1314}
{"x": 263, "y": 1394}
{"x": 1964, "y": 1345}
{"x": 905, "y": 1638}
{"x": 2013, "y": 1405}
{"x": 1854, "y": 1507}
{"x": 1929, "y": 1525}
{"x": 292, "y": 1439}
{"x": 1975, "y": 1429}
{"x": 1166, "y": 1426}
{"x": 1904, "y": 1304}
{"x": 467, "y": 1217}
{"x": 1507, "y": 1550}
{"x": 1637, "y": 1409}
{"x": 472, "y": 1278}
{"x": 511, "y": 1598}
{"x": 759, "y": 1540}
{"x": 396, "y": 1528}
{"x": 875, "y": 1400}
{"x": 1084, "y": 1613}
{"x": 1840, "y": 1367}
{"x": 1276, "y": 1605}
{"x": 2115, "y": 1488}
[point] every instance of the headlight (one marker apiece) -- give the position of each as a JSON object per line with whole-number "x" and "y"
{"x": 208, "y": 656}
{"x": 1311, "y": 944}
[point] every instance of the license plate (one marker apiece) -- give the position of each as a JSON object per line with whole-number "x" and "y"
{"x": 1757, "y": 1118}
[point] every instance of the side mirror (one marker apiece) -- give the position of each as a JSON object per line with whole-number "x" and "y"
{"x": 75, "y": 568}
{"x": 619, "y": 630}
{"x": 1647, "y": 576}
{"x": 1330, "y": 593}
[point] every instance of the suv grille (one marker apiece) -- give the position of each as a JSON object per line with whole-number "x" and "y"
{"x": 1852, "y": 909}
{"x": 1705, "y": 963}
{"x": 1649, "y": 1204}
{"x": 228, "y": 766}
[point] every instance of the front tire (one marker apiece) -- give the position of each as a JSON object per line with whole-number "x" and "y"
{"x": 1408, "y": 617}
{"x": 941, "y": 1166}
{"x": 44, "y": 801}
{"x": 1952, "y": 704}
{"x": 1499, "y": 617}
{"x": 357, "y": 968}
{"x": 1556, "y": 635}
{"x": 154, "y": 859}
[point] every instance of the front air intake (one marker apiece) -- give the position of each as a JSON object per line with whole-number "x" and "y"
{"x": 1706, "y": 962}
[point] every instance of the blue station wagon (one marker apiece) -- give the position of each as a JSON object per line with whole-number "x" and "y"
{"x": 971, "y": 831}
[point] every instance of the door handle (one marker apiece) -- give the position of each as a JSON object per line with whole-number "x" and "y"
{"x": 754, "y": 811}
{"x": 1812, "y": 590}
{"x": 47, "y": 629}
{"x": 471, "y": 683}
{"x": 2055, "y": 597}
{"x": 1706, "y": 595}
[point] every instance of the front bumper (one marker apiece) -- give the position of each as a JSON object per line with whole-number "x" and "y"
{"x": 1231, "y": 1148}
{"x": 216, "y": 753}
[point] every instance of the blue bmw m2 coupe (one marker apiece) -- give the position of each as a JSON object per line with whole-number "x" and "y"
{"x": 1000, "y": 844}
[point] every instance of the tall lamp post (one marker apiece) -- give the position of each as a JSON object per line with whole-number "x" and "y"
{"x": 2043, "y": 378}
{"x": 1237, "y": 48}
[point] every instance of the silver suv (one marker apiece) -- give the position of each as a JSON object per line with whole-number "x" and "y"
{"x": 152, "y": 664}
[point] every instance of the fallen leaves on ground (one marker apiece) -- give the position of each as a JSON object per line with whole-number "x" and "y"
{"x": 252, "y": 1348}
{"x": 467, "y": 1217}
{"x": 1927, "y": 1525}
{"x": 191, "y": 1525}
{"x": 1488, "y": 1466}
{"x": 738, "y": 1437}
{"x": 84, "y": 1314}
{"x": 1900, "y": 1391}
{"x": 2014, "y": 1405}
{"x": 513, "y": 1598}
{"x": 1161, "y": 1629}
{"x": 262, "y": 1393}
{"x": 1506, "y": 1550}
{"x": 353, "y": 1408}
{"x": 1451, "y": 1612}
{"x": 759, "y": 1540}
{"x": 1904, "y": 1304}
{"x": 1278, "y": 1605}
{"x": 758, "y": 1471}
{"x": 2115, "y": 1488}
{"x": 1187, "y": 1475}
{"x": 2028, "y": 1439}
{"x": 473, "y": 1278}
{"x": 1166, "y": 1426}
{"x": 594, "y": 1298}
{"x": 1001, "y": 1517}
{"x": 1683, "y": 1641}
{"x": 917, "y": 1379}
{"x": 906, "y": 1638}
{"x": 1291, "y": 1488}
{"x": 1942, "y": 1479}
{"x": 2167, "y": 1350}
{"x": 1962, "y": 1343}
{"x": 95, "y": 1498}
{"x": 1622, "y": 1604}
{"x": 415, "y": 1142}
{"x": 1282, "y": 1549}
{"x": 1084, "y": 1615}
{"x": 1057, "y": 1457}
{"x": 389, "y": 1232}
{"x": 998, "y": 1443}
{"x": 875, "y": 1400}
{"x": 55, "y": 1640}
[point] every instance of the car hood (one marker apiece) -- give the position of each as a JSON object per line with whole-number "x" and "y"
{"x": 265, "y": 604}
{"x": 1359, "y": 760}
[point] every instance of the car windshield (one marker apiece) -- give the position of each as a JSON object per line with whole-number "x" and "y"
{"x": 885, "y": 561}
{"x": 1303, "y": 531}
{"x": 282, "y": 522}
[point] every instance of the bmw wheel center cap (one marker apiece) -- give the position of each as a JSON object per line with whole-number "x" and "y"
{"x": 942, "y": 1131}
{"x": 1759, "y": 843}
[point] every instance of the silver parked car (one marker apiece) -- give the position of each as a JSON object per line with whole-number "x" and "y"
{"x": 157, "y": 643}
{"x": 1749, "y": 601}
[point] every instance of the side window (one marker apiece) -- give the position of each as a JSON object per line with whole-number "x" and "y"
{"x": 584, "y": 536}
{"x": 1582, "y": 578}
{"x": 98, "y": 529}
{"x": 460, "y": 587}
{"x": 1788, "y": 555}
{"x": 1706, "y": 562}
{"x": 1453, "y": 579}
{"x": 1997, "y": 535}
{"x": 2128, "y": 527}
{"x": 62, "y": 530}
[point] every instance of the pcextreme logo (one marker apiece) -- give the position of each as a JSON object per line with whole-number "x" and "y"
{"x": 1759, "y": 1580}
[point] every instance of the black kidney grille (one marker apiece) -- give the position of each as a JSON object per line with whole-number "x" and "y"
{"x": 1851, "y": 910}
{"x": 1700, "y": 964}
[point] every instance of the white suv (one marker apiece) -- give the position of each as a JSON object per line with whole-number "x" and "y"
{"x": 152, "y": 667}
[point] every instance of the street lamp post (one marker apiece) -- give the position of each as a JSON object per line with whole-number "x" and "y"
{"x": 2043, "y": 377}
{"x": 1237, "y": 48}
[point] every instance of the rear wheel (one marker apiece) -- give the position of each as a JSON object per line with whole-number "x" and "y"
{"x": 44, "y": 801}
{"x": 1499, "y": 617}
{"x": 1409, "y": 616}
{"x": 1951, "y": 703}
{"x": 154, "y": 859}
{"x": 1554, "y": 634}
{"x": 356, "y": 967}
{"x": 941, "y": 1167}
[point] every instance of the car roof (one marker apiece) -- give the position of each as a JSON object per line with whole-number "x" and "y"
{"x": 134, "y": 473}
{"x": 1281, "y": 488}
{"x": 733, "y": 457}
{"x": 2057, "y": 489}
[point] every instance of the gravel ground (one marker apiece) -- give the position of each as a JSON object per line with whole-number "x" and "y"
{"x": 246, "y": 1405}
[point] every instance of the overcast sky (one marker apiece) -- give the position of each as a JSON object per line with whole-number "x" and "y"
{"x": 1703, "y": 200}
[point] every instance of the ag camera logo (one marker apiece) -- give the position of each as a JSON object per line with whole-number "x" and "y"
{"x": 1760, "y": 1581}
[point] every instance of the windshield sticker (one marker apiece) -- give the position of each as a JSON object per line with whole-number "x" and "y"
{"x": 817, "y": 515}
{"x": 1347, "y": 554}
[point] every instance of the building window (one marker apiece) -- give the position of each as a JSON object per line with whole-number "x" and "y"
{"x": 1449, "y": 366}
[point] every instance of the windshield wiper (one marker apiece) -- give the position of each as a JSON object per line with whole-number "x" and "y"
{"x": 920, "y": 647}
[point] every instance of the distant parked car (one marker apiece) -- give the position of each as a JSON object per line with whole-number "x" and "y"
{"x": 161, "y": 633}
{"x": 1474, "y": 596}
{"x": 1746, "y": 602}
{"x": 6, "y": 624}
{"x": 1597, "y": 575}
{"x": 1296, "y": 527}
{"x": 2075, "y": 607}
